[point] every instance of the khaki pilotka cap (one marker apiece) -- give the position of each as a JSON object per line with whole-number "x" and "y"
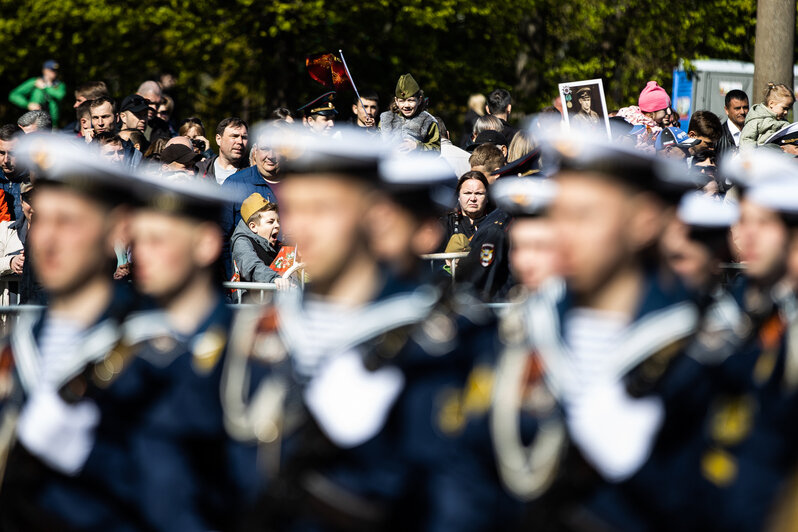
{"x": 406, "y": 87}
{"x": 251, "y": 205}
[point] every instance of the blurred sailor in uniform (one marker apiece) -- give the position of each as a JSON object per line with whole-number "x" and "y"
{"x": 48, "y": 428}
{"x": 520, "y": 418}
{"x": 337, "y": 385}
{"x": 749, "y": 441}
{"x": 126, "y": 414}
{"x": 600, "y": 348}
{"x": 533, "y": 250}
{"x": 184, "y": 462}
{"x": 696, "y": 241}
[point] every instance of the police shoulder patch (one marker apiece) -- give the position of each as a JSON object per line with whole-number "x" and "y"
{"x": 486, "y": 255}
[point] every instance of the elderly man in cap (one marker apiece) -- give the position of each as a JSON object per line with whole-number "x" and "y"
{"x": 318, "y": 115}
{"x": 179, "y": 161}
{"x": 42, "y": 93}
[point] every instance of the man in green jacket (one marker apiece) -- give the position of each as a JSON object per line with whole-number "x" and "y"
{"x": 45, "y": 92}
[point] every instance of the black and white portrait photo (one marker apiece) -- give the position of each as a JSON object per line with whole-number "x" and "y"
{"x": 584, "y": 105}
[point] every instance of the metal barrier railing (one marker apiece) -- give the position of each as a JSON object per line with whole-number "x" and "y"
{"x": 241, "y": 286}
{"x": 454, "y": 257}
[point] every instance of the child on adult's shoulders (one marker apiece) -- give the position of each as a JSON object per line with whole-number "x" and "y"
{"x": 255, "y": 242}
{"x": 768, "y": 117}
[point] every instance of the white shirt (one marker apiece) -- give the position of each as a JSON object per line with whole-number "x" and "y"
{"x": 61, "y": 434}
{"x": 456, "y": 157}
{"x": 735, "y": 132}
{"x": 221, "y": 173}
{"x": 614, "y": 431}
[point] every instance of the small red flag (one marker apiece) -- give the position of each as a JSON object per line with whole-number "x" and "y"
{"x": 328, "y": 70}
{"x": 284, "y": 259}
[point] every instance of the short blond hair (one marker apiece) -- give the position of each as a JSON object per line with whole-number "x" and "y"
{"x": 521, "y": 144}
{"x": 778, "y": 91}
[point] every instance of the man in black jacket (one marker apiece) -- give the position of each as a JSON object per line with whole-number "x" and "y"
{"x": 500, "y": 105}
{"x": 736, "y": 107}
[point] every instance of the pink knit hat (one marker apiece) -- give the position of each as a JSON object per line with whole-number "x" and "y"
{"x": 653, "y": 98}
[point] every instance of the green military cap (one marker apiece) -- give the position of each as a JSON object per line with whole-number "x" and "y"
{"x": 406, "y": 87}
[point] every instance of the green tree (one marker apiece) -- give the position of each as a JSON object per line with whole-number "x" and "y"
{"x": 246, "y": 57}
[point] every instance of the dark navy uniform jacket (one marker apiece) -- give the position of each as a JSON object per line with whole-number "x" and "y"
{"x": 487, "y": 267}
{"x": 657, "y": 357}
{"x": 161, "y": 458}
{"x": 750, "y": 438}
{"x": 413, "y": 471}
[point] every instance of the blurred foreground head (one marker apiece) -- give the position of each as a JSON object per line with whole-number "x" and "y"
{"x": 533, "y": 241}
{"x": 762, "y": 233}
{"x": 611, "y": 206}
{"x": 415, "y": 189}
{"x": 175, "y": 236}
{"x": 328, "y": 187}
{"x": 697, "y": 241}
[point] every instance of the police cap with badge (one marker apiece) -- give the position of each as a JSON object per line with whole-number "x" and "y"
{"x": 56, "y": 160}
{"x": 323, "y": 105}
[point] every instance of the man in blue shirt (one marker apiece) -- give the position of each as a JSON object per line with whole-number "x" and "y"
{"x": 259, "y": 178}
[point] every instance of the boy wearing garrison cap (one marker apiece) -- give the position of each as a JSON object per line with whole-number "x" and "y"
{"x": 255, "y": 244}
{"x": 407, "y": 123}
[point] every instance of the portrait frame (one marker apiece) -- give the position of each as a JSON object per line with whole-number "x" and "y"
{"x": 573, "y": 114}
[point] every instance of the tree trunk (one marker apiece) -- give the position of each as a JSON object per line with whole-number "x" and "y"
{"x": 775, "y": 41}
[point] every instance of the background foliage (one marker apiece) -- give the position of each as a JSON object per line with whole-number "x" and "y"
{"x": 246, "y": 57}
